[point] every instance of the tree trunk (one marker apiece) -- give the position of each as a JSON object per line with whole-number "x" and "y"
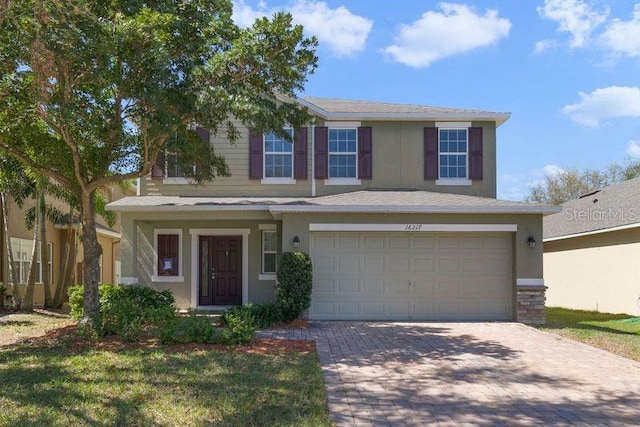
{"x": 44, "y": 253}
{"x": 92, "y": 252}
{"x": 13, "y": 280}
{"x": 67, "y": 268}
{"x": 27, "y": 302}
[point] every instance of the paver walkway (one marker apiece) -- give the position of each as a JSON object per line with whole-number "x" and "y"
{"x": 380, "y": 373}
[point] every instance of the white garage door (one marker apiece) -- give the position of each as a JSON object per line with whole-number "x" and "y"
{"x": 411, "y": 276}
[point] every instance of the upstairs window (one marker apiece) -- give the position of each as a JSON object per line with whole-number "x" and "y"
{"x": 343, "y": 153}
{"x": 453, "y": 159}
{"x": 173, "y": 168}
{"x": 278, "y": 156}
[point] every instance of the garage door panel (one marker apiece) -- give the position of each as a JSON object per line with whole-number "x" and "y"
{"x": 348, "y": 264}
{"x": 324, "y": 264}
{"x": 348, "y": 285}
{"x": 374, "y": 309}
{"x": 324, "y": 285}
{"x": 396, "y": 276}
{"x": 373, "y": 286}
{"x": 398, "y": 242}
{"x": 348, "y": 308}
{"x": 398, "y": 264}
{"x": 373, "y": 265}
{"x": 423, "y": 242}
{"x": 373, "y": 242}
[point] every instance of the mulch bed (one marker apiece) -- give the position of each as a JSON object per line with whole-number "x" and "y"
{"x": 263, "y": 346}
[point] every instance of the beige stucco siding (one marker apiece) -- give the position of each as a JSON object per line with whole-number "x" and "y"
{"x": 398, "y": 162}
{"x": 527, "y": 261}
{"x": 138, "y": 249}
{"x": 598, "y": 272}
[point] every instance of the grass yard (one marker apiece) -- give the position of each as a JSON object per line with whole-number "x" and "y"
{"x": 15, "y": 327}
{"x": 617, "y": 333}
{"x": 60, "y": 380}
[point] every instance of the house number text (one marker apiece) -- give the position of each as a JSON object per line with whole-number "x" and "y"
{"x": 413, "y": 227}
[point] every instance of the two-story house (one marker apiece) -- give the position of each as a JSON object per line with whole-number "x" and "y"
{"x": 394, "y": 203}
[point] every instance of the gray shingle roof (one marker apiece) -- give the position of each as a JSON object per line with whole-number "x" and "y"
{"x": 368, "y": 110}
{"x": 613, "y": 206}
{"x": 359, "y": 201}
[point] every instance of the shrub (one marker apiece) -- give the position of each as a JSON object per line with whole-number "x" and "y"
{"x": 239, "y": 325}
{"x": 186, "y": 329}
{"x": 125, "y": 310}
{"x": 293, "y": 289}
{"x": 267, "y": 315}
{"x": 76, "y": 301}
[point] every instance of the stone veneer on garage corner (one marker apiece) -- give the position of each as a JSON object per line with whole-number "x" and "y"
{"x": 530, "y": 305}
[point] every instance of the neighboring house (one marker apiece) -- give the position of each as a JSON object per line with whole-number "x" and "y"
{"x": 592, "y": 251}
{"x": 395, "y": 204}
{"x": 22, "y": 246}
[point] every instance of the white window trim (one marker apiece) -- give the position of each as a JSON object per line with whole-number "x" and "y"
{"x": 195, "y": 234}
{"x": 180, "y": 276}
{"x": 177, "y": 181}
{"x": 342, "y": 181}
{"x": 277, "y": 180}
{"x": 343, "y": 125}
{"x": 453, "y": 125}
{"x": 454, "y": 181}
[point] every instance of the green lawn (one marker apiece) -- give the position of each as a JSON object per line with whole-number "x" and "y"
{"x": 617, "y": 333}
{"x": 15, "y": 327}
{"x": 60, "y": 383}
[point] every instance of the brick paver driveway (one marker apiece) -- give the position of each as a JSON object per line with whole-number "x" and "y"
{"x": 380, "y": 373}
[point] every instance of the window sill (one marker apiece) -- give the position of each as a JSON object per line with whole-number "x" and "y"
{"x": 281, "y": 181}
{"x": 267, "y": 276}
{"x": 342, "y": 181}
{"x": 167, "y": 278}
{"x": 176, "y": 180}
{"x": 453, "y": 181}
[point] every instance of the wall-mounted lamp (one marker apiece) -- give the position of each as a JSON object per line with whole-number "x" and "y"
{"x": 295, "y": 242}
{"x": 532, "y": 242}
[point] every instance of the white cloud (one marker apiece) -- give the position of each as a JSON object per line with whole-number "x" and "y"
{"x": 605, "y": 103}
{"x": 436, "y": 35}
{"x": 244, "y": 15}
{"x": 552, "y": 170}
{"x": 341, "y": 31}
{"x": 543, "y": 45}
{"x": 623, "y": 37}
{"x": 633, "y": 149}
{"x": 576, "y": 17}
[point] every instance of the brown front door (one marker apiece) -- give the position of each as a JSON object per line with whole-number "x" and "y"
{"x": 220, "y": 270}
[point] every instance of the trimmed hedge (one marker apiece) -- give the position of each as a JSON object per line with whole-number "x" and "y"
{"x": 293, "y": 289}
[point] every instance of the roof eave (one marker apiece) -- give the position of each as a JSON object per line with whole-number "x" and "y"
{"x": 545, "y": 210}
{"x": 592, "y": 232}
{"x": 499, "y": 119}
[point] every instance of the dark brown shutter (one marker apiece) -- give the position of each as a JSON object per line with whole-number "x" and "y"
{"x": 203, "y": 133}
{"x": 430, "y": 153}
{"x": 475, "y": 153}
{"x": 365, "y": 160}
{"x": 157, "y": 170}
{"x": 300, "y": 170}
{"x": 321, "y": 155}
{"x": 168, "y": 250}
{"x": 255, "y": 154}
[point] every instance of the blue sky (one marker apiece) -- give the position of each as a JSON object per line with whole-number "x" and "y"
{"x": 567, "y": 70}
